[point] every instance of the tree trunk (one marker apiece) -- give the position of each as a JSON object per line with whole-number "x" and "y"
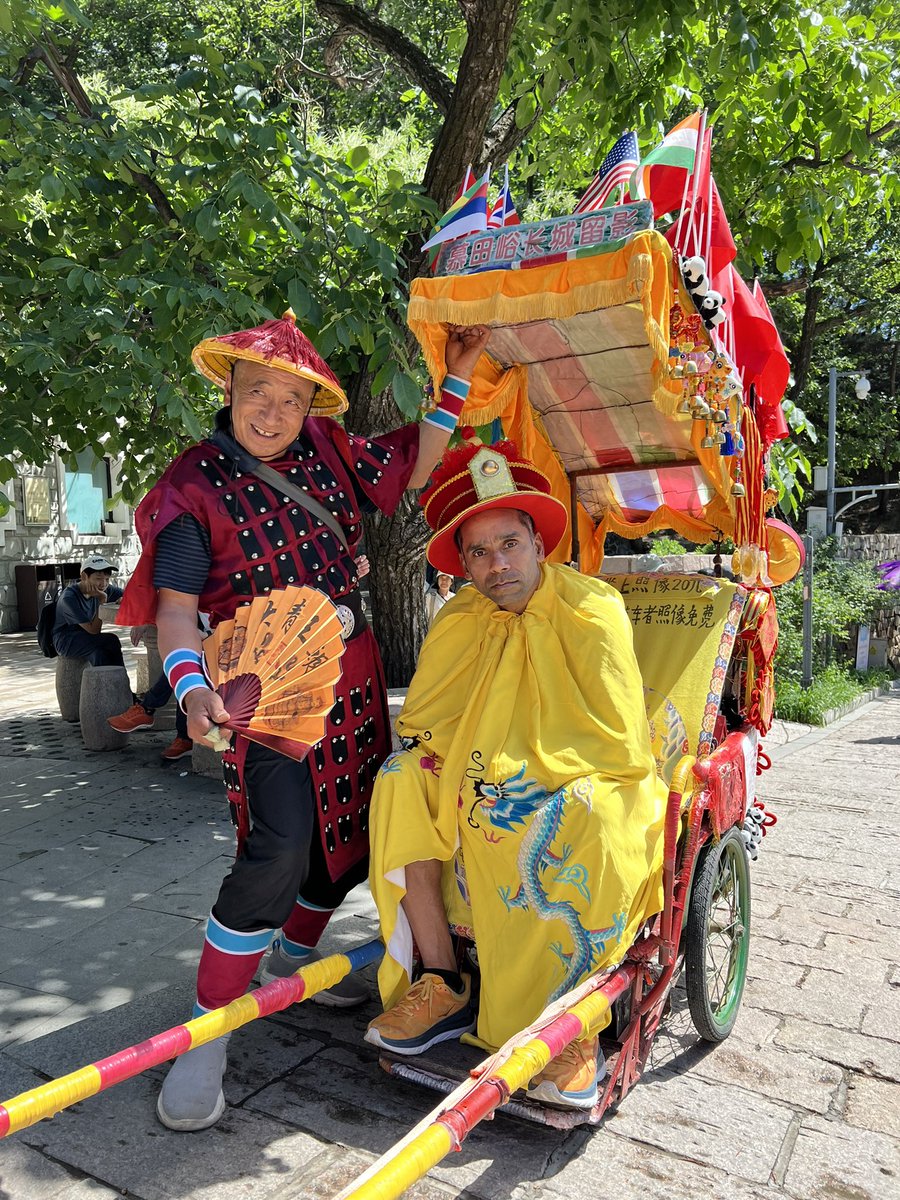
{"x": 396, "y": 545}
{"x": 803, "y": 353}
{"x": 396, "y": 548}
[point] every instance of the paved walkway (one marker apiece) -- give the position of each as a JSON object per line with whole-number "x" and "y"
{"x": 107, "y": 867}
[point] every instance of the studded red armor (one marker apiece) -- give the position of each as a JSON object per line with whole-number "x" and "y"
{"x": 260, "y": 540}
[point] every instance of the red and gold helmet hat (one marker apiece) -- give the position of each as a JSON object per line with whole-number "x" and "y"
{"x": 280, "y": 344}
{"x": 472, "y": 479}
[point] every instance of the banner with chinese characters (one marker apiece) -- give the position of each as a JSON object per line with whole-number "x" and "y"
{"x": 684, "y": 632}
{"x": 542, "y": 242}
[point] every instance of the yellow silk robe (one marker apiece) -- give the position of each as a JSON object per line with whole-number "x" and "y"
{"x": 527, "y": 769}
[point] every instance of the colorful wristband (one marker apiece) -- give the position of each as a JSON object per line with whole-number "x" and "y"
{"x": 453, "y": 396}
{"x": 184, "y": 671}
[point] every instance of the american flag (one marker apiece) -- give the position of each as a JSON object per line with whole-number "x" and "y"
{"x": 615, "y": 171}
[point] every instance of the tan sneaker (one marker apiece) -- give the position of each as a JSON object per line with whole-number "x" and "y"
{"x": 570, "y": 1080}
{"x": 429, "y": 1013}
{"x": 180, "y": 748}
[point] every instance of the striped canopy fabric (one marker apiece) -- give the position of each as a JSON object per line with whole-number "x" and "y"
{"x": 577, "y": 373}
{"x": 590, "y": 378}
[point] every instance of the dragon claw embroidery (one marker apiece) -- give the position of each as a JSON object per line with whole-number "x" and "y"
{"x": 391, "y": 764}
{"x": 512, "y": 803}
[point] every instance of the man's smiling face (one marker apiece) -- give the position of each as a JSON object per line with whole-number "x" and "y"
{"x": 268, "y": 407}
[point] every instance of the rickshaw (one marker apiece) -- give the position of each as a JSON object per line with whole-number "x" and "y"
{"x": 602, "y": 370}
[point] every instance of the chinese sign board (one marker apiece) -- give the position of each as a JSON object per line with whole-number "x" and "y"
{"x": 541, "y": 242}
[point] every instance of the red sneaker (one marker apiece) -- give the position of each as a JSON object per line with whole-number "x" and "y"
{"x": 180, "y": 748}
{"x": 131, "y": 719}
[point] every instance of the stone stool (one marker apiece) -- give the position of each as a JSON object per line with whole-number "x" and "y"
{"x": 206, "y": 761}
{"x": 68, "y": 685}
{"x": 105, "y": 692}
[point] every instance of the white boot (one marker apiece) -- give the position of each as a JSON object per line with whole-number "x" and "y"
{"x": 192, "y": 1097}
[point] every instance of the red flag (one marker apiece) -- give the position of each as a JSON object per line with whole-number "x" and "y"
{"x": 758, "y": 353}
{"x": 722, "y": 249}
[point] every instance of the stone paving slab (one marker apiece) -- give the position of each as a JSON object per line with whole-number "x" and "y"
{"x": 833, "y": 1159}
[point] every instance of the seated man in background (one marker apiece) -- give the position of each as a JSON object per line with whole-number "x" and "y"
{"x": 76, "y": 631}
{"x": 524, "y": 809}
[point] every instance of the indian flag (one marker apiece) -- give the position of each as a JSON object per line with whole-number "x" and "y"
{"x": 677, "y": 151}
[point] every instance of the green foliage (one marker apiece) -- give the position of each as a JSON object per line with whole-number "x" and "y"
{"x": 162, "y": 216}
{"x": 225, "y": 159}
{"x": 665, "y": 545}
{"x": 844, "y": 594}
{"x": 833, "y": 687}
{"x": 789, "y": 465}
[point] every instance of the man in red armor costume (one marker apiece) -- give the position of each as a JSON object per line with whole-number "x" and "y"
{"x": 216, "y": 535}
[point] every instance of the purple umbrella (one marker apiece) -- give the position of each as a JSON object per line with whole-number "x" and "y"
{"x": 890, "y": 576}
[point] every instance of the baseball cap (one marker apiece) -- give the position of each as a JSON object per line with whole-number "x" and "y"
{"x": 96, "y": 562}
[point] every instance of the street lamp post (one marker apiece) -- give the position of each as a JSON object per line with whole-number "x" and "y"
{"x": 863, "y": 387}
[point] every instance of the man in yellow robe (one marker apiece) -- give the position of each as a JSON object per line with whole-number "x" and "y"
{"x": 524, "y": 808}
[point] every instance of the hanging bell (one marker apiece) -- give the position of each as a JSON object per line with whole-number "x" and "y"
{"x": 719, "y": 439}
{"x": 707, "y": 441}
{"x": 690, "y": 367}
{"x": 726, "y": 446}
{"x": 701, "y": 410}
{"x": 738, "y": 490}
{"x": 720, "y": 416}
{"x": 685, "y": 406}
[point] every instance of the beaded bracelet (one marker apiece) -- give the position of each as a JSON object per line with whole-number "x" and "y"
{"x": 446, "y": 414}
{"x": 184, "y": 671}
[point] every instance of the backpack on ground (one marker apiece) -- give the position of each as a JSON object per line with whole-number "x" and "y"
{"x": 46, "y": 621}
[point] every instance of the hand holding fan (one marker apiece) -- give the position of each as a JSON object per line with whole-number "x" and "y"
{"x": 276, "y": 666}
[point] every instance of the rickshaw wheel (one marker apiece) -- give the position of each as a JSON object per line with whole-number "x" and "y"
{"x": 718, "y": 937}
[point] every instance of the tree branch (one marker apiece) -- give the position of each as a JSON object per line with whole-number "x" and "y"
{"x": 70, "y": 85}
{"x": 414, "y": 62}
{"x": 469, "y": 10}
{"x": 785, "y": 287}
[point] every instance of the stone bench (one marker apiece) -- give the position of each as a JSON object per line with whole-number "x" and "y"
{"x": 206, "y": 761}
{"x": 105, "y": 692}
{"x": 68, "y": 686}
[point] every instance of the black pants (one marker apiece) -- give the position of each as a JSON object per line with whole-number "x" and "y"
{"x": 100, "y": 649}
{"x": 282, "y": 855}
{"x": 160, "y": 694}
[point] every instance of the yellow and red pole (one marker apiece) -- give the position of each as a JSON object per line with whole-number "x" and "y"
{"x": 446, "y": 1128}
{"x": 50, "y": 1098}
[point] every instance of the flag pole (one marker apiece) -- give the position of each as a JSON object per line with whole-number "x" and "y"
{"x": 699, "y": 161}
{"x": 690, "y": 177}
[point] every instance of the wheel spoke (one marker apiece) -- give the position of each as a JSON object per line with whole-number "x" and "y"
{"x": 725, "y": 933}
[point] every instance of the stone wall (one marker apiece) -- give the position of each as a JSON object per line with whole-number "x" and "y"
{"x": 870, "y": 547}
{"x": 49, "y": 537}
{"x": 879, "y": 548}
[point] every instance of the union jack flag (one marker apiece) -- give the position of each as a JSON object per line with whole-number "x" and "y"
{"x": 503, "y": 211}
{"x": 615, "y": 171}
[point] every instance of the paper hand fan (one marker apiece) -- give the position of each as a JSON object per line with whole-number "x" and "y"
{"x": 276, "y": 666}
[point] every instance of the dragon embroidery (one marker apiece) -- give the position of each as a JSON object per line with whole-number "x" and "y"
{"x": 510, "y": 804}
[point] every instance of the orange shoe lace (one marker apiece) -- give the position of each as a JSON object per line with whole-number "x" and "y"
{"x": 421, "y": 992}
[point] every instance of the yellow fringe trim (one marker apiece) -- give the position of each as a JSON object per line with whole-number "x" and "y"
{"x": 498, "y": 309}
